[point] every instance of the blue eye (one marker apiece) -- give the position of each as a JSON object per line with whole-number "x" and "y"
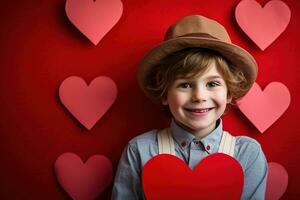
{"x": 185, "y": 85}
{"x": 213, "y": 84}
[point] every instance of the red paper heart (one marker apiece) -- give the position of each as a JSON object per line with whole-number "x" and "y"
{"x": 94, "y": 18}
{"x": 277, "y": 181}
{"x": 83, "y": 181}
{"x": 263, "y": 25}
{"x": 217, "y": 176}
{"x": 88, "y": 103}
{"x": 263, "y": 108}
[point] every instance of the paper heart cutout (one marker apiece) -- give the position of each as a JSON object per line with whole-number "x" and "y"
{"x": 88, "y": 103}
{"x": 217, "y": 176}
{"x": 94, "y": 18}
{"x": 263, "y": 108}
{"x": 262, "y": 25}
{"x": 277, "y": 181}
{"x": 83, "y": 181}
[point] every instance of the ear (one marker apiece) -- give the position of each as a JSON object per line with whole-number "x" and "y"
{"x": 229, "y": 99}
{"x": 165, "y": 102}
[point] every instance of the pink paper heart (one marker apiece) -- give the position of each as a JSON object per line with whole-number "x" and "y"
{"x": 88, "y": 103}
{"x": 218, "y": 176}
{"x": 263, "y": 108}
{"x": 83, "y": 181}
{"x": 262, "y": 25}
{"x": 277, "y": 181}
{"x": 94, "y": 18}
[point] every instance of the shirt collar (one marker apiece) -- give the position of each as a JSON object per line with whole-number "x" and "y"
{"x": 210, "y": 142}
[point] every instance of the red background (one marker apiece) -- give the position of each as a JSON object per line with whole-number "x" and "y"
{"x": 39, "y": 48}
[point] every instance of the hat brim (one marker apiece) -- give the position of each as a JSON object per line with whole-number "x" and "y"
{"x": 236, "y": 55}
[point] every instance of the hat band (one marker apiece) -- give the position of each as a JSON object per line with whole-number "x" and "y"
{"x": 198, "y": 35}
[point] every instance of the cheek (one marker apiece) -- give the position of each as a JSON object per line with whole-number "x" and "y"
{"x": 221, "y": 98}
{"x": 177, "y": 99}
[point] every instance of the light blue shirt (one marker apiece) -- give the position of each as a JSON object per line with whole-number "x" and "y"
{"x": 142, "y": 148}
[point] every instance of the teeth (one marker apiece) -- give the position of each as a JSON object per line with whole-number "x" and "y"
{"x": 200, "y": 111}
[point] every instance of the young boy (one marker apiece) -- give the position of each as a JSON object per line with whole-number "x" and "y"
{"x": 198, "y": 73}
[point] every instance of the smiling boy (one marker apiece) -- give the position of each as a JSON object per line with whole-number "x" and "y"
{"x": 197, "y": 103}
{"x": 197, "y": 73}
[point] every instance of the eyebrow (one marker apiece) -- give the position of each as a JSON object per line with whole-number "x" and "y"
{"x": 212, "y": 77}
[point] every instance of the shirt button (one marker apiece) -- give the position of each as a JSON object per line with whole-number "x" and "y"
{"x": 197, "y": 142}
{"x": 183, "y": 144}
{"x": 208, "y": 147}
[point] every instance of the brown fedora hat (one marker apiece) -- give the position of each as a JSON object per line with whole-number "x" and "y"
{"x": 197, "y": 31}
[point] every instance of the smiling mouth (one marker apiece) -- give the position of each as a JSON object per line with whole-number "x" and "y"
{"x": 199, "y": 110}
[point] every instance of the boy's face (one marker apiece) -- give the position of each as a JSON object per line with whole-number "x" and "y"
{"x": 197, "y": 103}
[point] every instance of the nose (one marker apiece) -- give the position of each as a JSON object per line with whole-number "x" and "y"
{"x": 199, "y": 94}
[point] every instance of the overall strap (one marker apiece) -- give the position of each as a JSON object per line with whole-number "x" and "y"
{"x": 227, "y": 144}
{"x": 166, "y": 143}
